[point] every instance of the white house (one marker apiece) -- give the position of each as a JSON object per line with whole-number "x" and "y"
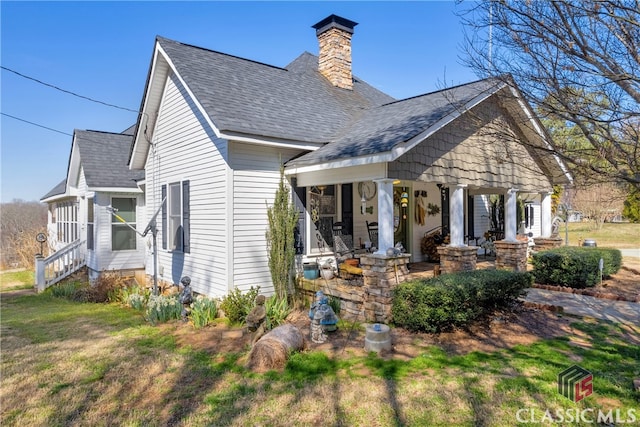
{"x": 98, "y": 178}
{"x": 214, "y": 130}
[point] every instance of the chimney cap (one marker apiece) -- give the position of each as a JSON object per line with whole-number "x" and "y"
{"x": 334, "y": 21}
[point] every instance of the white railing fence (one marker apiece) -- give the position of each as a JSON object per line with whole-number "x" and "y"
{"x": 59, "y": 265}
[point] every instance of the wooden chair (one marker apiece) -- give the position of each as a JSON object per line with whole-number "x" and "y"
{"x": 372, "y": 229}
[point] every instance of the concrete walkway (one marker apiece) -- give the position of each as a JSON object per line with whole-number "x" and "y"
{"x": 582, "y": 305}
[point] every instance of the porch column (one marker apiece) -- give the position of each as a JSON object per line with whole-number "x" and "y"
{"x": 385, "y": 215}
{"x": 510, "y": 215}
{"x": 546, "y": 240}
{"x": 545, "y": 214}
{"x": 456, "y": 207}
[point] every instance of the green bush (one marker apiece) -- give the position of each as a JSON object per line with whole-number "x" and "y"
{"x": 277, "y": 311}
{"x": 457, "y": 299}
{"x": 577, "y": 267}
{"x": 203, "y": 311}
{"x": 67, "y": 290}
{"x": 237, "y": 305}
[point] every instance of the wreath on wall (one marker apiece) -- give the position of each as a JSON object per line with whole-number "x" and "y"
{"x": 433, "y": 210}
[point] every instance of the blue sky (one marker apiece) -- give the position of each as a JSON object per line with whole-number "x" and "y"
{"x": 102, "y": 50}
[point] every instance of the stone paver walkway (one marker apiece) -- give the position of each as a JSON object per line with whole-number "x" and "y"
{"x": 582, "y": 305}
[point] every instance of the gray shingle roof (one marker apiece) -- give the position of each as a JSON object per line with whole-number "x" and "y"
{"x": 294, "y": 103}
{"x": 58, "y": 190}
{"x": 381, "y": 128}
{"x": 104, "y": 158}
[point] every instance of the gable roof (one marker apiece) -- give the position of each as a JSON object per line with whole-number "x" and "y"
{"x": 58, "y": 190}
{"x": 104, "y": 156}
{"x": 244, "y": 97}
{"x": 295, "y": 103}
{"x": 383, "y": 128}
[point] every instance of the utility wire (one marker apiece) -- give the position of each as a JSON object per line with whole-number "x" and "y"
{"x": 67, "y": 91}
{"x": 36, "y": 124}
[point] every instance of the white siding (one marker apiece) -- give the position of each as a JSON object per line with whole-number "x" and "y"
{"x": 256, "y": 174}
{"x": 186, "y": 148}
{"x": 104, "y": 258}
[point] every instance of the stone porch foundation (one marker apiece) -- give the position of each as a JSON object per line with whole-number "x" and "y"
{"x": 544, "y": 243}
{"x": 457, "y": 258}
{"x": 367, "y": 298}
{"x": 511, "y": 255}
{"x": 381, "y": 274}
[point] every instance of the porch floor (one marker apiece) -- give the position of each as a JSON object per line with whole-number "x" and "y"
{"x": 424, "y": 270}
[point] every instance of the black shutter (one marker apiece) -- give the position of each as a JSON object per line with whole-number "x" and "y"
{"x": 186, "y": 247}
{"x": 164, "y": 202}
{"x": 300, "y": 201}
{"x": 347, "y": 208}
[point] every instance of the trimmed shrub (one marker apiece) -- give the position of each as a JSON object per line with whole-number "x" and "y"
{"x": 237, "y": 305}
{"x": 457, "y": 299}
{"x": 576, "y": 267}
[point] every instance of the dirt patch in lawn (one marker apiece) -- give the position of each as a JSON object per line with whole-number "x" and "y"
{"x": 504, "y": 330}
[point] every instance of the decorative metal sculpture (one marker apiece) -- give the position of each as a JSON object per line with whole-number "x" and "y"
{"x": 256, "y": 317}
{"x": 186, "y": 297}
{"x": 323, "y": 318}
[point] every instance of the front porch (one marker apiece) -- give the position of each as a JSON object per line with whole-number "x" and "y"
{"x": 368, "y": 296}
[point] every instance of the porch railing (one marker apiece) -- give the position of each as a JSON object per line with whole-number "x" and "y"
{"x": 59, "y": 265}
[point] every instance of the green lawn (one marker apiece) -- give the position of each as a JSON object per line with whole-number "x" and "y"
{"x": 16, "y": 280}
{"x": 615, "y": 235}
{"x": 66, "y": 363}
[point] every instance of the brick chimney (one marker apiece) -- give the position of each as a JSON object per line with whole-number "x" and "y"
{"x": 334, "y": 62}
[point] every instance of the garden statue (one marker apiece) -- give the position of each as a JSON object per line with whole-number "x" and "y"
{"x": 256, "y": 317}
{"x": 323, "y": 318}
{"x": 186, "y": 297}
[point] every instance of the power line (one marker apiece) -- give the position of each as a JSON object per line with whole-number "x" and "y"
{"x": 36, "y": 124}
{"x": 67, "y": 91}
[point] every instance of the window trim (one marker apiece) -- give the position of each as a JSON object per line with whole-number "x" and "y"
{"x": 168, "y": 241}
{"x": 115, "y": 221}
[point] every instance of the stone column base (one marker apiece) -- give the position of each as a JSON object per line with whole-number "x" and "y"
{"x": 544, "y": 243}
{"x": 511, "y": 255}
{"x": 457, "y": 258}
{"x": 381, "y": 274}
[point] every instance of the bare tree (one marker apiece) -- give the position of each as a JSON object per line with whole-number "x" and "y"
{"x": 20, "y": 222}
{"x": 577, "y": 62}
{"x": 599, "y": 203}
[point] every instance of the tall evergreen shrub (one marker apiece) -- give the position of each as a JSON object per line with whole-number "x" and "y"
{"x": 283, "y": 218}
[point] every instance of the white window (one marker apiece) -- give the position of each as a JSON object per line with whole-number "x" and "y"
{"x": 123, "y": 238}
{"x": 90, "y": 242}
{"x": 175, "y": 217}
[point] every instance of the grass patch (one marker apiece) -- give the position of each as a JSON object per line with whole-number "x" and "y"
{"x": 612, "y": 235}
{"x": 15, "y": 280}
{"x": 70, "y": 363}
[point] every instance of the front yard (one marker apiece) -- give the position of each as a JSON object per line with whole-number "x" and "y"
{"x": 66, "y": 363}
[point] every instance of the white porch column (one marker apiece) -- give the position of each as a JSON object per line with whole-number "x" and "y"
{"x": 456, "y": 212}
{"x": 510, "y": 225}
{"x": 385, "y": 215}
{"x": 545, "y": 214}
